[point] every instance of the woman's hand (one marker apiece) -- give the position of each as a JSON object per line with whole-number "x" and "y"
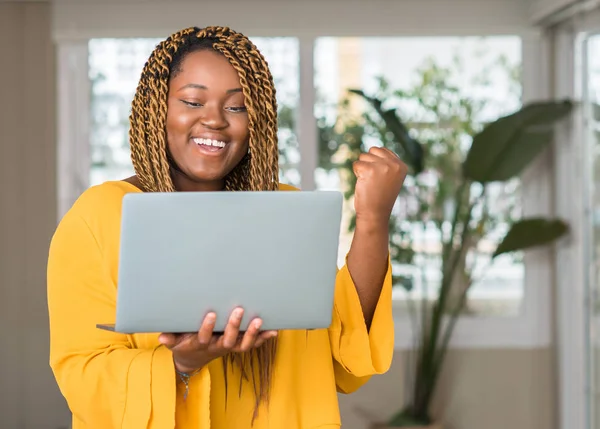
{"x": 193, "y": 351}
{"x": 380, "y": 175}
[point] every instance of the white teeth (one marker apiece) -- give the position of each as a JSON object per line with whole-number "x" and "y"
{"x": 209, "y": 142}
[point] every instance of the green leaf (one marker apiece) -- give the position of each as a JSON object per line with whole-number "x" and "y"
{"x": 405, "y": 282}
{"x": 413, "y": 151}
{"x": 525, "y": 148}
{"x": 531, "y": 232}
{"x": 595, "y": 112}
{"x": 505, "y": 147}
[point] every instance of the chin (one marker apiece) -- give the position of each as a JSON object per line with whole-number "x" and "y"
{"x": 203, "y": 172}
{"x": 198, "y": 176}
{"x": 205, "y": 178}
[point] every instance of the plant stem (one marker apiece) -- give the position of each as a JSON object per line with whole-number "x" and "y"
{"x": 432, "y": 367}
{"x": 450, "y": 260}
{"x": 447, "y": 248}
{"x": 438, "y": 358}
{"x": 410, "y": 361}
{"x": 437, "y": 365}
{"x": 422, "y": 337}
{"x": 454, "y": 316}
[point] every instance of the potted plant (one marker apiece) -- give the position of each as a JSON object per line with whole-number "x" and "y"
{"x": 460, "y": 172}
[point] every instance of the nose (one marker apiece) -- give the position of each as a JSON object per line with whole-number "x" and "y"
{"x": 213, "y": 117}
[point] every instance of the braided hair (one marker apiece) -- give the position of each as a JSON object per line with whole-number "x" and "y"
{"x": 258, "y": 170}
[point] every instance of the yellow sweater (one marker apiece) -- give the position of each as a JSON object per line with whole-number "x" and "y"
{"x": 112, "y": 380}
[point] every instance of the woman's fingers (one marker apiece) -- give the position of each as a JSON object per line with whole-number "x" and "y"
{"x": 263, "y": 337}
{"x": 192, "y": 340}
{"x": 230, "y": 336}
{"x": 206, "y": 341}
{"x": 205, "y": 333}
{"x": 178, "y": 341}
{"x": 251, "y": 335}
{"x": 167, "y": 340}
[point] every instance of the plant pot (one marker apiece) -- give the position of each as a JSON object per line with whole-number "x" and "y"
{"x": 384, "y": 426}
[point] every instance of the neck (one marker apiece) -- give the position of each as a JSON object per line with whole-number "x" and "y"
{"x": 185, "y": 184}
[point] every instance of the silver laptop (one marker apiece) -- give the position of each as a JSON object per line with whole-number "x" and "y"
{"x": 184, "y": 254}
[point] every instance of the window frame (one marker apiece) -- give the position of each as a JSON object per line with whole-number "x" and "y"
{"x": 530, "y": 329}
{"x": 575, "y": 324}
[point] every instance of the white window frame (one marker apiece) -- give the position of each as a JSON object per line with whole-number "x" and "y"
{"x": 570, "y": 272}
{"x": 574, "y": 325}
{"x": 73, "y": 99}
{"x": 531, "y": 329}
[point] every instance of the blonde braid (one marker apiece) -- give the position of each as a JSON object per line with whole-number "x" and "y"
{"x": 262, "y": 111}
{"x": 258, "y": 170}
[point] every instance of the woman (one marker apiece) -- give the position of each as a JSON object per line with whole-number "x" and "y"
{"x": 204, "y": 119}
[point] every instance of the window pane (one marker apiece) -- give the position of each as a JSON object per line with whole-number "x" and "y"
{"x": 115, "y": 68}
{"x": 592, "y": 146}
{"x": 443, "y": 88}
{"x": 282, "y": 55}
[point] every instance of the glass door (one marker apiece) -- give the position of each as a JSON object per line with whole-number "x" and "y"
{"x": 590, "y": 91}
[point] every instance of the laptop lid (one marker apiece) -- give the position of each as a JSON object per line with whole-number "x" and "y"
{"x": 183, "y": 254}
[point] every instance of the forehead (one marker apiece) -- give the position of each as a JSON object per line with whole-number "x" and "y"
{"x": 208, "y": 68}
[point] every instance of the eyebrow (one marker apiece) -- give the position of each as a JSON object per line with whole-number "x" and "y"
{"x": 199, "y": 86}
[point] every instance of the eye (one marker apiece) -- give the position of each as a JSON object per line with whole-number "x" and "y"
{"x": 236, "y": 109}
{"x": 191, "y": 104}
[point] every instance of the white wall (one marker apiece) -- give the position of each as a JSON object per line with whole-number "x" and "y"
{"x": 540, "y": 9}
{"x": 478, "y": 389}
{"x": 72, "y": 19}
{"x": 551, "y": 12}
{"x": 29, "y": 396}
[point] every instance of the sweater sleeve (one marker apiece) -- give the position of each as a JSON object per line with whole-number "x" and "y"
{"x": 106, "y": 382}
{"x": 358, "y": 352}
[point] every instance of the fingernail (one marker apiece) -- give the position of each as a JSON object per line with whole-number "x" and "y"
{"x": 211, "y": 317}
{"x": 257, "y": 324}
{"x": 238, "y": 313}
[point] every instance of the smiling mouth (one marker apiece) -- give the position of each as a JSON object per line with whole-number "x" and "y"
{"x": 209, "y": 144}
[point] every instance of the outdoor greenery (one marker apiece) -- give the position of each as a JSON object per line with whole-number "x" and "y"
{"x": 463, "y": 186}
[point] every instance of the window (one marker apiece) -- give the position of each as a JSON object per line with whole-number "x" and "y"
{"x": 427, "y": 79}
{"x": 591, "y": 96}
{"x": 485, "y": 70}
{"x": 115, "y": 66}
{"x": 311, "y": 68}
{"x": 592, "y": 136}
